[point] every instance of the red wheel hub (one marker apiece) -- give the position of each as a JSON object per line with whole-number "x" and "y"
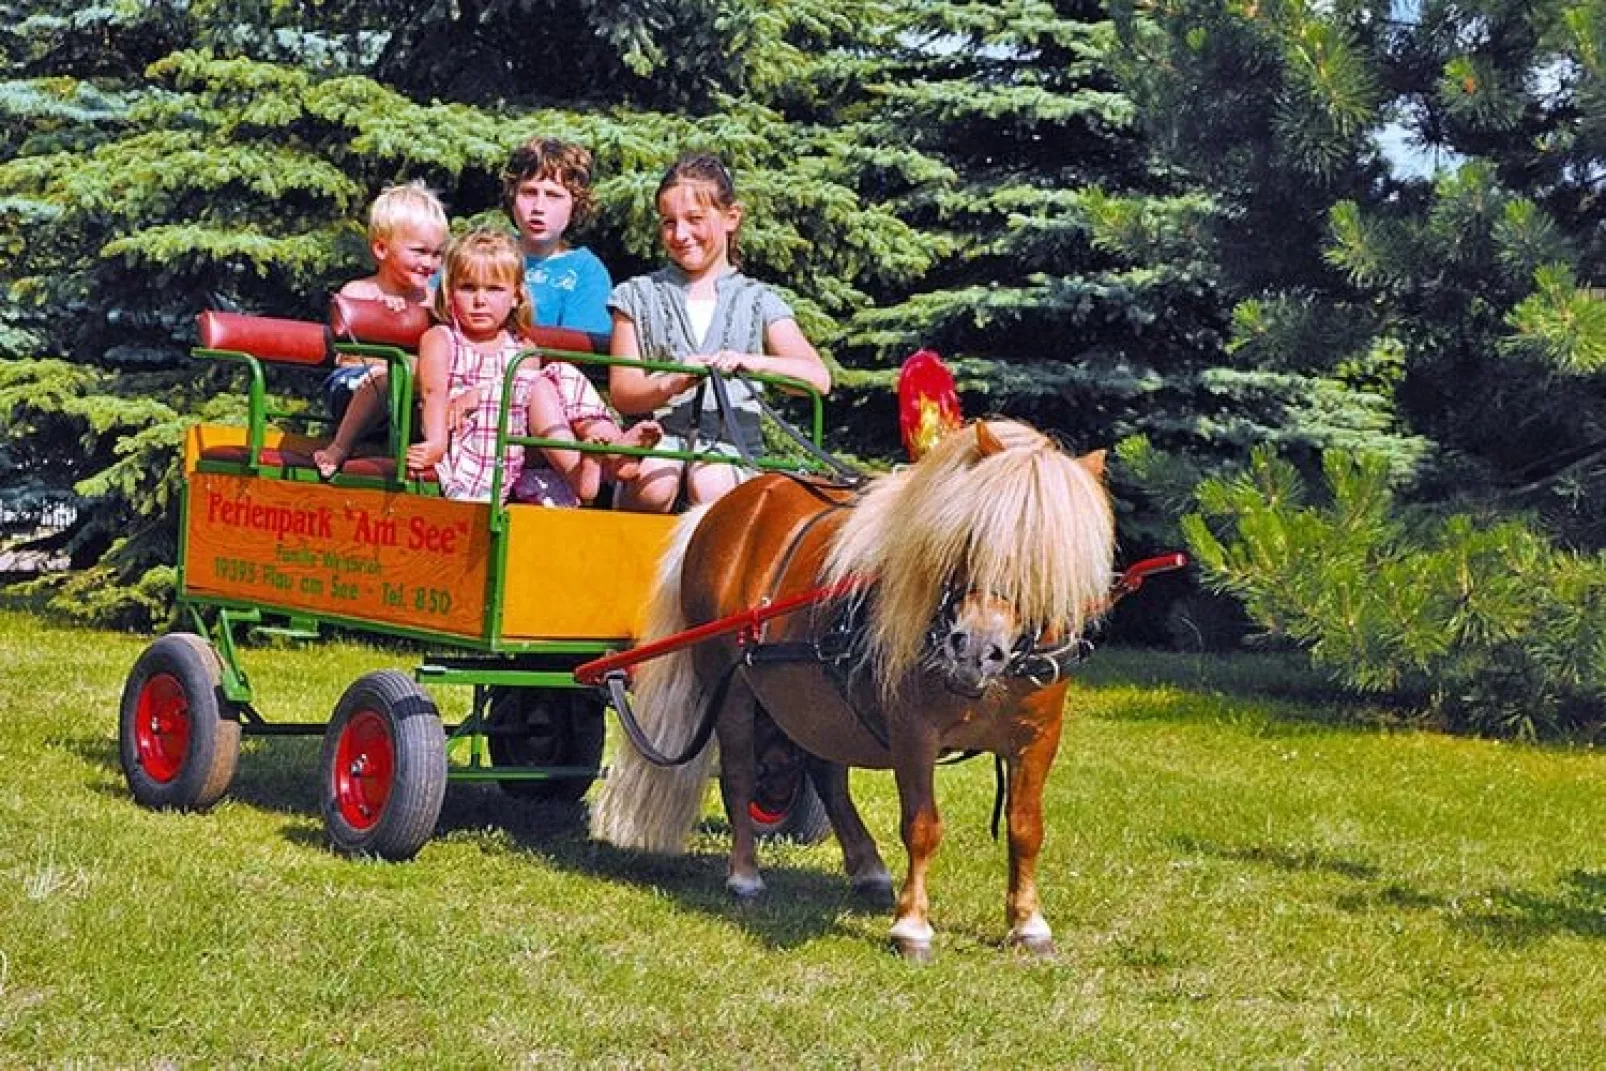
{"x": 365, "y": 769}
{"x": 764, "y": 815}
{"x": 162, "y": 727}
{"x": 774, "y": 798}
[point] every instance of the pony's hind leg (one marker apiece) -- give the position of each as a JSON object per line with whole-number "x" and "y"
{"x": 866, "y": 872}
{"x": 738, "y": 778}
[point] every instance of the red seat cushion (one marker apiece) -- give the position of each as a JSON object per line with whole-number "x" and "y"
{"x": 356, "y": 320}
{"x": 265, "y": 337}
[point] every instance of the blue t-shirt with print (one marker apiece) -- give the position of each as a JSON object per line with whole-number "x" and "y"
{"x": 570, "y": 289}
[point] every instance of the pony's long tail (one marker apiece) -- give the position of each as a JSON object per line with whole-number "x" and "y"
{"x": 643, "y": 806}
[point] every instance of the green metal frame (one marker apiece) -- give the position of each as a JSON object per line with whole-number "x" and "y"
{"x": 228, "y": 614}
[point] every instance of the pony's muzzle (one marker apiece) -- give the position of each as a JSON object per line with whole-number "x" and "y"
{"x": 975, "y": 656}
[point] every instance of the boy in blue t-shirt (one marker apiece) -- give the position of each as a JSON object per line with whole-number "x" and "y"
{"x": 547, "y": 187}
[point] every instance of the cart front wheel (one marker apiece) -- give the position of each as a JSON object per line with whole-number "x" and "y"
{"x": 178, "y": 737}
{"x": 384, "y": 768}
{"x": 784, "y": 803}
{"x": 532, "y": 727}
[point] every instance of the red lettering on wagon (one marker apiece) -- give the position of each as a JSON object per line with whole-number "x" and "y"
{"x": 360, "y": 554}
{"x": 434, "y": 537}
{"x": 280, "y": 520}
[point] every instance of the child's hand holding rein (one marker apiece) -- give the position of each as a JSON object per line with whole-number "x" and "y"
{"x": 726, "y": 361}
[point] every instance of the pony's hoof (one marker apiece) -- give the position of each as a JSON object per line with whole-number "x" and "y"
{"x": 1033, "y": 936}
{"x": 875, "y": 892}
{"x": 1040, "y": 947}
{"x": 912, "y": 950}
{"x": 744, "y": 890}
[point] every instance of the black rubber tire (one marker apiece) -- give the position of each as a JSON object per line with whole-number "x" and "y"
{"x": 785, "y": 804}
{"x": 556, "y": 727}
{"x": 182, "y": 674}
{"x": 385, "y": 716}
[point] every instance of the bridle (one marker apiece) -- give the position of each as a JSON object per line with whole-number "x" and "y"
{"x": 1029, "y": 659}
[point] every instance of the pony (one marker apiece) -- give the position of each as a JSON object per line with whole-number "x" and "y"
{"x": 962, "y": 587}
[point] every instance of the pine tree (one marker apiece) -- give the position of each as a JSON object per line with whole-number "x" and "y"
{"x": 1474, "y": 618}
{"x": 149, "y": 180}
{"x": 1455, "y": 274}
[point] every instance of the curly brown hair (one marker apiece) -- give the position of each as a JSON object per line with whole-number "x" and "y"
{"x": 551, "y": 158}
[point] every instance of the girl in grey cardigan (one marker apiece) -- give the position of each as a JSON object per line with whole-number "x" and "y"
{"x": 699, "y": 311}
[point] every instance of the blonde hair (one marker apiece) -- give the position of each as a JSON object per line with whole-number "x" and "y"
{"x": 408, "y": 203}
{"x": 485, "y": 255}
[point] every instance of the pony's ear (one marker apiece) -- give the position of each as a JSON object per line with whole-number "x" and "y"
{"x": 1094, "y": 463}
{"x": 987, "y": 444}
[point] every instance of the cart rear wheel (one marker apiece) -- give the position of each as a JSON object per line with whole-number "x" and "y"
{"x": 178, "y": 737}
{"x": 554, "y": 727}
{"x": 383, "y": 767}
{"x": 784, "y": 803}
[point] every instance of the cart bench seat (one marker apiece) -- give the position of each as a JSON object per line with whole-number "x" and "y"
{"x": 354, "y": 324}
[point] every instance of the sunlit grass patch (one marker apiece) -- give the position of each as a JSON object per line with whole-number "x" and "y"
{"x": 1232, "y": 877}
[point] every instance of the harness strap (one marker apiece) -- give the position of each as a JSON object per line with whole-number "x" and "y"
{"x": 769, "y": 654}
{"x": 727, "y": 416}
{"x": 620, "y": 698}
{"x": 848, "y": 474}
{"x": 1045, "y": 666}
{"x": 1000, "y": 791}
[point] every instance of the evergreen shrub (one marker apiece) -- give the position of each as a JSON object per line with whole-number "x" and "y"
{"x": 1483, "y": 624}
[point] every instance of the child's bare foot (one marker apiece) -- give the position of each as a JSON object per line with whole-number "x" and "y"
{"x": 623, "y": 468}
{"x": 329, "y": 460}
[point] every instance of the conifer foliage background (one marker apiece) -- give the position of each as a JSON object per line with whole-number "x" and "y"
{"x": 916, "y": 174}
{"x": 1171, "y": 224}
{"x": 1456, "y": 275}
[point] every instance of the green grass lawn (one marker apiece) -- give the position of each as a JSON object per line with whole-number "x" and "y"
{"x": 1232, "y": 880}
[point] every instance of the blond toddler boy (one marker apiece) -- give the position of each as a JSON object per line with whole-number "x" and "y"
{"x": 407, "y": 233}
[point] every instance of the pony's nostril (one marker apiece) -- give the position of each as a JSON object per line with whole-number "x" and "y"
{"x": 958, "y": 643}
{"x": 996, "y": 656}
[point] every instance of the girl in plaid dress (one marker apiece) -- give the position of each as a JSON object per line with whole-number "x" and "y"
{"x": 462, "y": 368}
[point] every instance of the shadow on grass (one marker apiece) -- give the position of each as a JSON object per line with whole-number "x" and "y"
{"x": 1274, "y": 674}
{"x": 1281, "y": 858}
{"x": 280, "y": 776}
{"x": 802, "y": 901}
{"x": 1273, "y": 693}
{"x": 1502, "y": 916}
{"x": 1519, "y": 917}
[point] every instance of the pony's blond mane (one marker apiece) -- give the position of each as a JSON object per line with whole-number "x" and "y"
{"x": 1027, "y": 522}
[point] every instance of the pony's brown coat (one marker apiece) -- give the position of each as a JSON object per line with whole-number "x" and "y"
{"x": 1020, "y": 530}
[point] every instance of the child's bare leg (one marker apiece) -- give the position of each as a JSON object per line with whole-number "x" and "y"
{"x": 707, "y": 482}
{"x": 547, "y": 421}
{"x": 654, "y": 488}
{"x": 363, "y": 411}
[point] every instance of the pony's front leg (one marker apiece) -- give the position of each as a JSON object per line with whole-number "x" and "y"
{"x": 738, "y": 779}
{"x": 1027, "y": 773}
{"x": 914, "y": 756}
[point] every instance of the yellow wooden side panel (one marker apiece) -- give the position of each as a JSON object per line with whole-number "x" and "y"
{"x": 580, "y": 573}
{"x": 367, "y": 555}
